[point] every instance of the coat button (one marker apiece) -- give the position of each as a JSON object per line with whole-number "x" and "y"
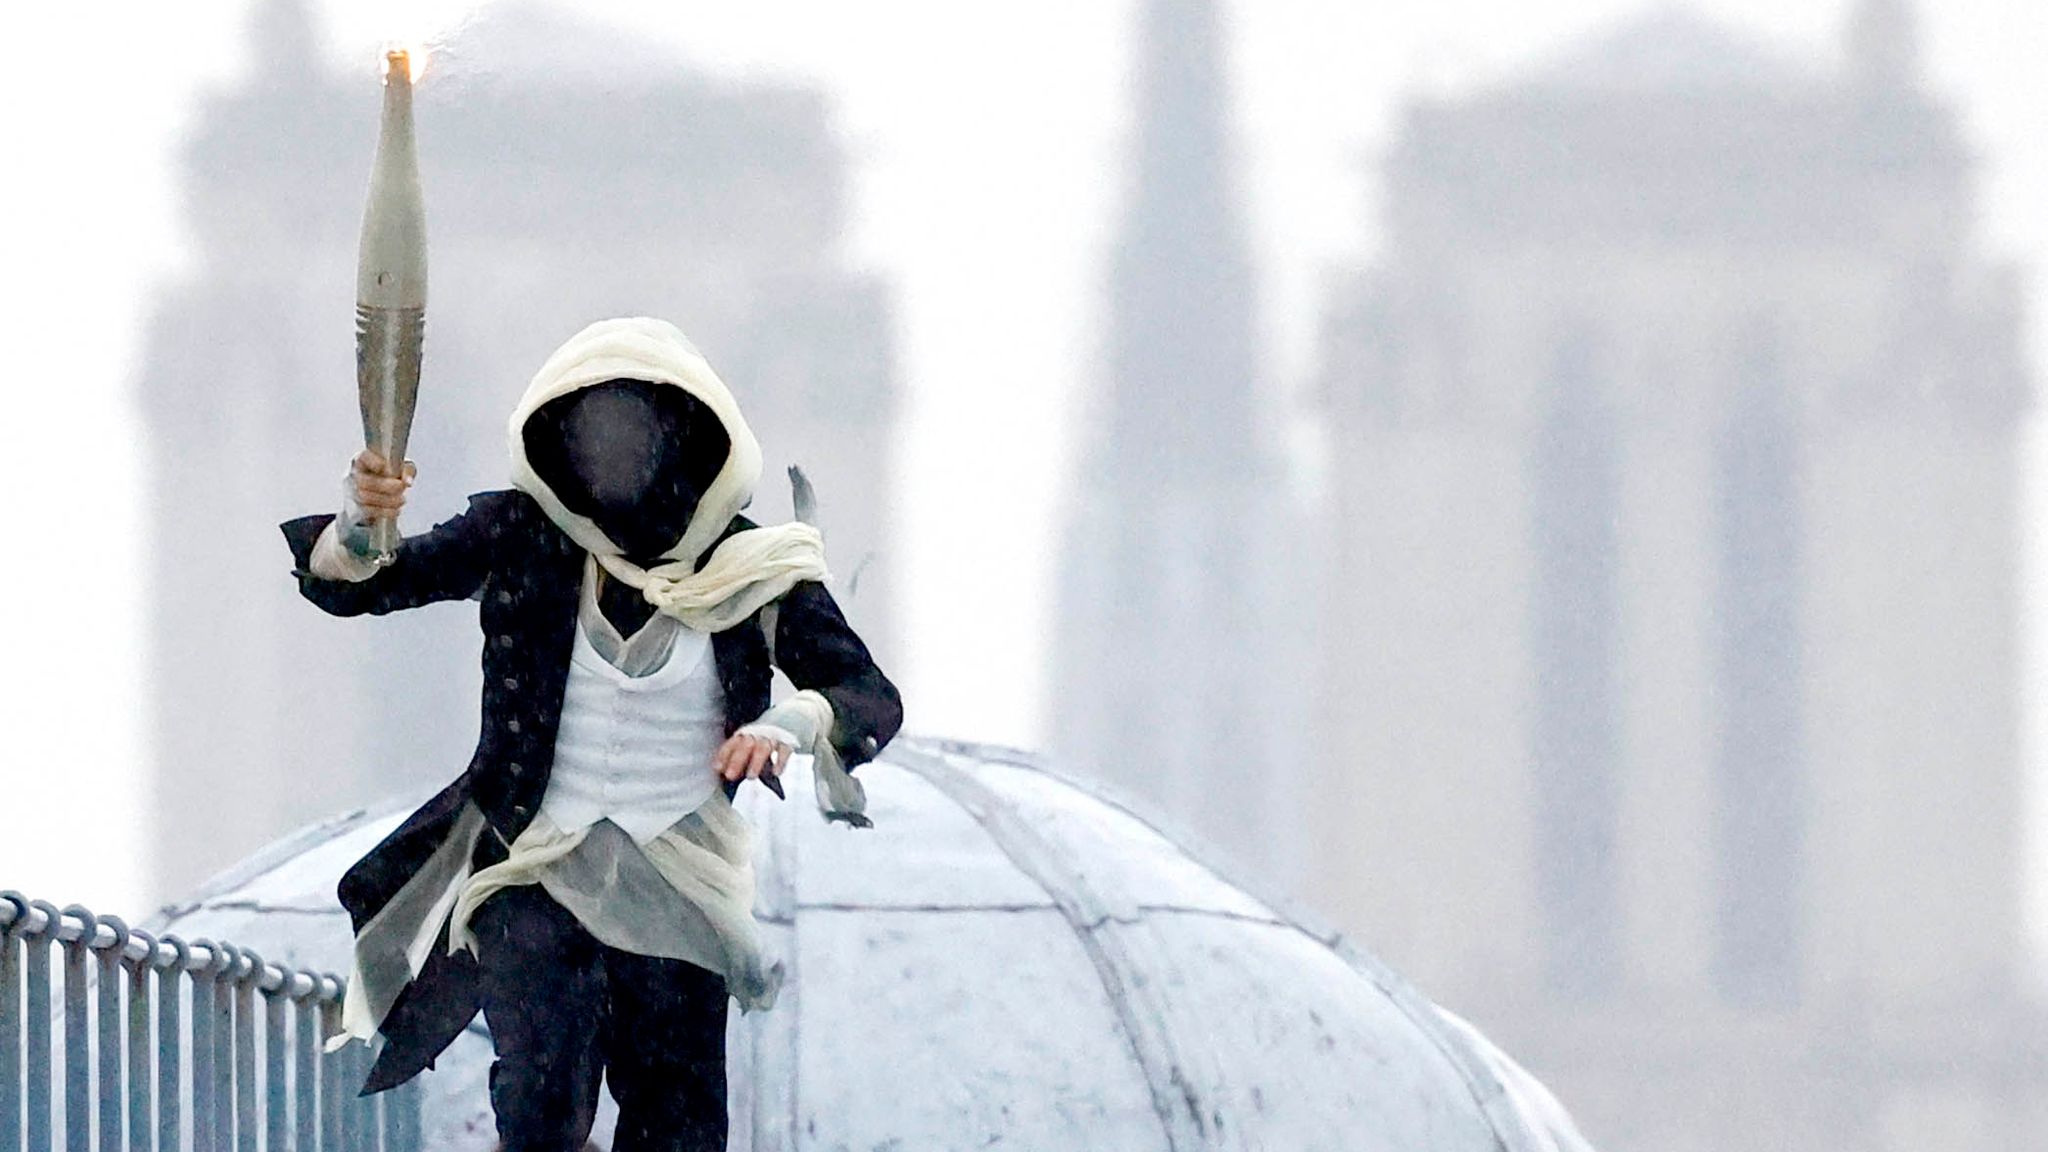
{"x": 504, "y": 641}
{"x": 504, "y": 597}
{"x": 517, "y": 768}
{"x": 512, "y": 726}
{"x": 520, "y": 811}
{"x": 868, "y": 744}
{"x": 511, "y": 684}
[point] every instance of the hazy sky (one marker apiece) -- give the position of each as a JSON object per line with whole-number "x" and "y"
{"x": 987, "y": 141}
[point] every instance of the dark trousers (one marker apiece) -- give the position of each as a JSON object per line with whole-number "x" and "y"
{"x": 565, "y": 1010}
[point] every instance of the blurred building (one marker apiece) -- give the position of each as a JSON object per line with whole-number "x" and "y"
{"x": 572, "y": 173}
{"x": 1674, "y": 675}
{"x": 1173, "y": 676}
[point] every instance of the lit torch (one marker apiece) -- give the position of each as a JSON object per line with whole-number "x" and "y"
{"x": 391, "y": 287}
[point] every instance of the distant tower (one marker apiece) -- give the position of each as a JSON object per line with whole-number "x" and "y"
{"x": 286, "y": 42}
{"x": 1672, "y": 690}
{"x": 1166, "y": 670}
{"x": 573, "y": 174}
{"x": 1882, "y": 46}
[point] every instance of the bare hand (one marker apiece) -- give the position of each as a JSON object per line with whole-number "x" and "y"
{"x": 378, "y": 490}
{"x": 743, "y": 756}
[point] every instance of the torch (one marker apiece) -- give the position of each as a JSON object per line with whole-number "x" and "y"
{"x": 391, "y": 288}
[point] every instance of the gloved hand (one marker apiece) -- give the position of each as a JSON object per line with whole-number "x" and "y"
{"x": 759, "y": 750}
{"x": 370, "y": 490}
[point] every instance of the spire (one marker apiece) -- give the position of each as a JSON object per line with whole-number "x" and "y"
{"x": 1882, "y": 46}
{"x": 1181, "y": 290}
{"x": 1170, "y": 674}
{"x": 283, "y": 41}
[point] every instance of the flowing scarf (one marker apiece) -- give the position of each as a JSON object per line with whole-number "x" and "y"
{"x": 747, "y": 570}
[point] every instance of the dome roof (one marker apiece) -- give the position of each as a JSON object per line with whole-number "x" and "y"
{"x": 1009, "y": 956}
{"x": 1672, "y": 48}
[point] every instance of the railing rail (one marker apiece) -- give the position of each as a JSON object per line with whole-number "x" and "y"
{"x": 167, "y": 1035}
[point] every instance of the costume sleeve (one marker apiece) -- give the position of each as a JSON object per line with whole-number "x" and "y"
{"x": 771, "y": 727}
{"x": 338, "y": 553}
{"x": 448, "y": 562}
{"x": 816, "y": 647}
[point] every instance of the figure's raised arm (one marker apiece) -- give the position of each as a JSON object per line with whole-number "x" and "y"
{"x": 448, "y": 562}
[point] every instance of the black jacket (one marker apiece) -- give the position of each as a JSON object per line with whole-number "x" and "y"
{"x": 527, "y": 575}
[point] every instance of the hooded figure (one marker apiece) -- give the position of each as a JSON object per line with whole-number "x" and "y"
{"x": 586, "y": 881}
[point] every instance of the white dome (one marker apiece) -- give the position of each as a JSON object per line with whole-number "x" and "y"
{"x": 1010, "y": 957}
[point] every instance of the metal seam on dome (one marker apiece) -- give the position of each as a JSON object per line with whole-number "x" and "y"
{"x": 1175, "y": 909}
{"x": 841, "y": 906}
{"x": 293, "y": 845}
{"x": 777, "y": 1036}
{"x": 1511, "y": 1131}
{"x": 265, "y": 908}
{"x": 786, "y": 884}
{"x": 1144, "y": 1022}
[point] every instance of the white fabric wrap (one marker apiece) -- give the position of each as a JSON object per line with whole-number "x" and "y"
{"x": 749, "y": 569}
{"x": 687, "y": 894}
{"x": 342, "y": 551}
{"x": 807, "y": 715}
{"x": 706, "y": 859}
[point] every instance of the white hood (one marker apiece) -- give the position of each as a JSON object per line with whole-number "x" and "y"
{"x": 639, "y": 348}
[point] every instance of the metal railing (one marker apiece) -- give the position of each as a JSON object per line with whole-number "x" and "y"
{"x": 164, "y": 1047}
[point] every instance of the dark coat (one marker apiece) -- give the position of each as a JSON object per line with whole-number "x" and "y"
{"x": 527, "y": 574}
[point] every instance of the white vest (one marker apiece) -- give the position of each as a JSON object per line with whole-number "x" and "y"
{"x": 637, "y": 749}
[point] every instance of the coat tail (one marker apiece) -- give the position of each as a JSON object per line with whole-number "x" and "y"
{"x": 427, "y": 1017}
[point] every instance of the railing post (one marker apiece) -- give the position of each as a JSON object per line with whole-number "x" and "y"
{"x": 41, "y": 1078}
{"x": 402, "y": 1117}
{"x": 125, "y": 1079}
{"x": 376, "y": 1109}
{"x": 170, "y": 1039}
{"x": 248, "y": 969}
{"x": 358, "y": 1111}
{"x": 77, "y": 1044}
{"x": 10, "y": 1020}
{"x": 222, "y": 1029}
{"x": 276, "y": 1126}
{"x": 141, "y": 1070}
{"x": 201, "y": 982}
{"x": 306, "y": 1070}
{"x": 109, "y": 1029}
{"x": 330, "y": 1080}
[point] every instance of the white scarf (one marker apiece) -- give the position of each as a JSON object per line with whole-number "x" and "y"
{"x": 747, "y": 570}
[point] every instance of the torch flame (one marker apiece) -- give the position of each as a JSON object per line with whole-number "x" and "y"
{"x": 409, "y": 60}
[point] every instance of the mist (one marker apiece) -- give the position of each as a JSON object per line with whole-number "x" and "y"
{"x": 1553, "y": 490}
